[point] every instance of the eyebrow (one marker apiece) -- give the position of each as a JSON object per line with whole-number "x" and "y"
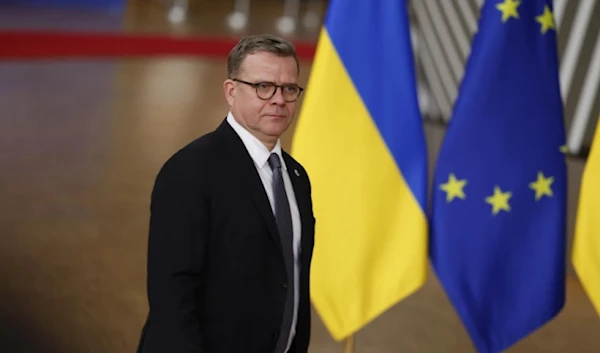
{"x": 271, "y": 81}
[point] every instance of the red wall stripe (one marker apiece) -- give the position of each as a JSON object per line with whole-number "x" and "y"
{"x": 28, "y": 45}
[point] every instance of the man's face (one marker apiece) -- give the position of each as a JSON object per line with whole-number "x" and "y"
{"x": 269, "y": 118}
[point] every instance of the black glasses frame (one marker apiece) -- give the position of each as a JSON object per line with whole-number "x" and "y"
{"x": 255, "y": 85}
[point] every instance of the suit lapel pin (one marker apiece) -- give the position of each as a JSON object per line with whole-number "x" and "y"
{"x": 296, "y": 172}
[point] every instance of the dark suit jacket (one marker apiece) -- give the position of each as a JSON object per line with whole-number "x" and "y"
{"x": 216, "y": 273}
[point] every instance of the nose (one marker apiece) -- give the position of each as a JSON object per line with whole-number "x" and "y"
{"x": 278, "y": 97}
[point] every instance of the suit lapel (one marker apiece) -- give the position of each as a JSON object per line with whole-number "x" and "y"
{"x": 247, "y": 174}
{"x": 301, "y": 192}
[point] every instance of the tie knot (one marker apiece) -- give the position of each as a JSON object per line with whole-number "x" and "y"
{"x": 274, "y": 161}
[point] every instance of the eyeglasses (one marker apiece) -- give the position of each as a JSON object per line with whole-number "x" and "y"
{"x": 266, "y": 90}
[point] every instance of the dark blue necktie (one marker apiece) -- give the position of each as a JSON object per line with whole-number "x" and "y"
{"x": 283, "y": 217}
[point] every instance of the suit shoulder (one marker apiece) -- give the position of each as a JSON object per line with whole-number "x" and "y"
{"x": 189, "y": 161}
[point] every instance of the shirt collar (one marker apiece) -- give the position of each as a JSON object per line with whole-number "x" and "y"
{"x": 257, "y": 150}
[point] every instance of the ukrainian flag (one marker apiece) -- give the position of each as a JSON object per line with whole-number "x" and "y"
{"x": 586, "y": 242}
{"x": 499, "y": 206}
{"x": 360, "y": 137}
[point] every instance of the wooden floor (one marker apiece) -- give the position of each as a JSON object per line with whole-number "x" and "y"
{"x": 80, "y": 145}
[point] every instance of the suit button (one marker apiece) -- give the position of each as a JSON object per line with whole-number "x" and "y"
{"x": 284, "y": 285}
{"x": 275, "y": 336}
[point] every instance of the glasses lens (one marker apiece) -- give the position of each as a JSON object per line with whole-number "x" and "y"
{"x": 290, "y": 93}
{"x": 265, "y": 90}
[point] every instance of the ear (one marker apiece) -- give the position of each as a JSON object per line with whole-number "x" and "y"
{"x": 229, "y": 88}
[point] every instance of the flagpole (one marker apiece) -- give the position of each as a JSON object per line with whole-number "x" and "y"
{"x": 349, "y": 344}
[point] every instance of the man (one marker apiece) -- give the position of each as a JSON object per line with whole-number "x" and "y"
{"x": 231, "y": 227}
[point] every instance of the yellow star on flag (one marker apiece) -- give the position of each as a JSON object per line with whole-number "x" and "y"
{"x": 499, "y": 200}
{"x": 509, "y": 9}
{"x": 454, "y": 188}
{"x": 542, "y": 186}
{"x": 564, "y": 149}
{"x": 546, "y": 20}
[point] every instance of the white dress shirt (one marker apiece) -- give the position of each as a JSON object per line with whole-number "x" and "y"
{"x": 260, "y": 155}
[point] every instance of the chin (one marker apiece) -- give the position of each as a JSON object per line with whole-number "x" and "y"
{"x": 276, "y": 132}
{"x": 277, "y": 127}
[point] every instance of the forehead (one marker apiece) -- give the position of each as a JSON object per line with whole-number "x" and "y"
{"x": 269, "y": 66}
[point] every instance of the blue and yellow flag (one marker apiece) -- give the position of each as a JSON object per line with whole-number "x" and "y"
{"x": 586, "y": 241}
{"x": 499, "y": 202}
{"x": 360, "y": 137}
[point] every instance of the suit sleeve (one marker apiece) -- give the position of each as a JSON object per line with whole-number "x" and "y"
{"x": 176, "y": 252}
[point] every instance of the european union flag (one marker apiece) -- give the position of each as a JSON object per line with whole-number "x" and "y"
{"x": 498, "y": 221}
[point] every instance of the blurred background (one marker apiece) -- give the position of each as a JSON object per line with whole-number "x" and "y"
{"x": 82, "y": 138}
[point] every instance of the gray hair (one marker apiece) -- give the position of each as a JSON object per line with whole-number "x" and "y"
{"x": 258, "y": 43}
